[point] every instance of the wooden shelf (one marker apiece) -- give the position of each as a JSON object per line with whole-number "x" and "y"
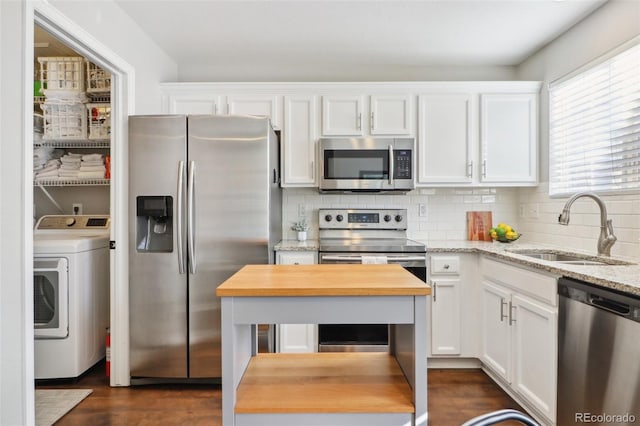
{"x": 324, "y": 383}
{"x": 71, "y": 182}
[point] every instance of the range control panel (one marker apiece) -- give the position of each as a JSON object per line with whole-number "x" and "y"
{"x": 73, "y": 222}
{"x": 362, "y": 219}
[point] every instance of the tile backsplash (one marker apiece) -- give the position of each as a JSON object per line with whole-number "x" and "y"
{"x": 446, "y": 208}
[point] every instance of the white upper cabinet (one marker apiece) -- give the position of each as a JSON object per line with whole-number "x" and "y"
{"x": 191, "y": 103}
{"x": 446, "y": 140}
{"x": 342, "y": 115}
{"x": 348, "y": 115}
{"x": 509, "y": 135}
{"x": 265, "y": 105}
{"x": 299, "y": 136}
{"x": 470, "y": 136}
{"x": 390, "y": 115}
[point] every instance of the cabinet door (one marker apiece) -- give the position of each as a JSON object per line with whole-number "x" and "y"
{"x": 342, "y": 115}
{"x": 194, "y": 104}
{"x": 265, "y": 105}
{"x": 445, "y": 316}
{"x": 496, "y": 332}
{"x": 299, "y": 141}
{"x": 446, "y": 139}
{"x": 509, "y": 138}
{"x": 535, "y": 334}
{"x": 390, "y": 115}
{"x": 297, "y": 338}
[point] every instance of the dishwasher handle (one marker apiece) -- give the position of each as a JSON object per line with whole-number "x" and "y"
{"x": 609, "y": 305}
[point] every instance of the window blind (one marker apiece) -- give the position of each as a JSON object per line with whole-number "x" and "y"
{"x": 594, "y": 128}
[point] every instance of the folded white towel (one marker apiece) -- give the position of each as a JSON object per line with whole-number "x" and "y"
{"x": 47, "y": 174}
{"x": 67, "y": 160}
{"x": 93, "y": 169}
{"x": 91, "y": 175}
{"x": 74, "y": 155}
{"x": 41, "y": 178}
{"x": 92, "y": 163}
{"x": 92, "y": 157}
{"x": 69, "y": 173}
{"x": 70, "y": 166}
{"x": 48, "y": 168}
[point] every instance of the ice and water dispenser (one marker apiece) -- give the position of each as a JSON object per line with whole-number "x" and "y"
{"x": 154, "y": 224}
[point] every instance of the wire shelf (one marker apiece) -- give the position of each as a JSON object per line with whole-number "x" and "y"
{"x": 97, "y": 143}
{"x": 71, "y": 182}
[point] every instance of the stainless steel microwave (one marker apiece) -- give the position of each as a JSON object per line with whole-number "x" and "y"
{"x": 366, "y": 164}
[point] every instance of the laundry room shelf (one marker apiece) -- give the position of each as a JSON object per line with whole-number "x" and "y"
{"x": 93, "y": 143}
{"x": 72, "y": 182}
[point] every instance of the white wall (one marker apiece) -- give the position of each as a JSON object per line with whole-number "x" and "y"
{"x": 108, "y": 24}
{"x": 112, "y": 28}
{"x": 614, "y": 23}
{"x": 343, "y": 72}
{"x": 446, "y": 209}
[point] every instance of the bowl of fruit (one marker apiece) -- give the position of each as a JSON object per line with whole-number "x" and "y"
{"x": 504, "y": 233}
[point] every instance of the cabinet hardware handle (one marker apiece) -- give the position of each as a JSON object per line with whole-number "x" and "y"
{"x": 511, "y": 316}
{"x": 502, "y": 315}
{"x": 215, "y": 108}
{"x": 373, "y": 122}
{"x": 313, "y": 169}
{"x": 359, "y": 121}
{"x": 296, "y": 263}
{"x": 484, "y": 168}
{"x": 435, "y": 288}
{"x": 470, "y": 169}
{"x": 445, "y": 266}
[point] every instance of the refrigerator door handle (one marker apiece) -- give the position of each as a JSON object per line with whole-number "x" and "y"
{"x": 191, "y": 217}
{"x": 179, "y": 218}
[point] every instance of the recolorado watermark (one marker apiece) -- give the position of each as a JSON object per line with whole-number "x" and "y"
{"x": 605, "y": 418}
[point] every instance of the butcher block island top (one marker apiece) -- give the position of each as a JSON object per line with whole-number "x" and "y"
{"x": 337, "y": 389}
{"x": 323, "y": 280}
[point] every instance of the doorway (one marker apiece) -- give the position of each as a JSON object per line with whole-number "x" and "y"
{"x": 73, "y": 37}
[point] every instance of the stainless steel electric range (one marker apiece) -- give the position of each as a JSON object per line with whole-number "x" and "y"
{"x": 365, "y": 236}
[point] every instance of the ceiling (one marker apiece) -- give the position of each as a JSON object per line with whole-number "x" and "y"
{"x": 241, "y": 39}
{"x": 420, "y": 33}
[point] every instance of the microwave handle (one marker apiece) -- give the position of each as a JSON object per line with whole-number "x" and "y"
{"x": 390, "y": 164}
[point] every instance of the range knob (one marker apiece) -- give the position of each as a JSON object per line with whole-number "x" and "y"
{"x": 387, "y": 218}
{"x": 328, "y": 218}
{"x": 339, "y": 218}
{"x": 398, "y": 218}
{"x": 70, "y": 221}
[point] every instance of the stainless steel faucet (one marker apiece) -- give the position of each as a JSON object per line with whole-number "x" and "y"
{"x": 606, "y": 238}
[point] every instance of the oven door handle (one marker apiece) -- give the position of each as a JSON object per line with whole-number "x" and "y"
{"x": 358, "y": 258}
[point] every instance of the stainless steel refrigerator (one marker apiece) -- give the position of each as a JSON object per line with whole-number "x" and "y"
{"x": 204, "y": 200}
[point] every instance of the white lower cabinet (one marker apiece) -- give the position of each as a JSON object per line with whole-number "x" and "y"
{"x": 297, "y": 338}
{"x": 453, "y": 330}
{"x": 520, "y": 331}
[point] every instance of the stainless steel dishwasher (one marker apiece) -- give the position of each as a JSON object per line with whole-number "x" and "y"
{"x": 598, "y": 355}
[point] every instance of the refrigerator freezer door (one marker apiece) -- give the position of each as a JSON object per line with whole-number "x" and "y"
{"x": 231, "y": 228}
{"x": 158, "y": 292}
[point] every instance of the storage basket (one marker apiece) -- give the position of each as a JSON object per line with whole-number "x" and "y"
{"x": 98, "y": 80}
{"x": 99, "y": 119}
{"x": 64, "y": 121}
{"x": 62, "y": 76}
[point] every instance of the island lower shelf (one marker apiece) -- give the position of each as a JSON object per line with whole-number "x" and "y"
{"x": 324, "y": 383}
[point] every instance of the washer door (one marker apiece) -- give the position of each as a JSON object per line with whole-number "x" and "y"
{"x": 51, "y": 298}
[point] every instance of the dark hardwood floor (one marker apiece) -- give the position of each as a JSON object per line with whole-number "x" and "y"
{"x": 455, "y": 396}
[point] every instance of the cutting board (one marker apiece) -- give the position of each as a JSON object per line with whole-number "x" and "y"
{"x": 478, "y": 225}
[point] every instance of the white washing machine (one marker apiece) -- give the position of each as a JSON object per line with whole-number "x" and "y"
{"x": 70, "y": 293}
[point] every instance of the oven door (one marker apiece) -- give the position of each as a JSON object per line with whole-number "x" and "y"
{"x": 365, "y": 337}
{"x": 51, "y": 298}
{"x": 367, "y": 164}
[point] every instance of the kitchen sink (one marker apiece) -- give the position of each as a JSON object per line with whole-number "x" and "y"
{"x": 568, "y": 258}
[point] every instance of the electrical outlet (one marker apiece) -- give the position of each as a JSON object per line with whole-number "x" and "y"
{"x": 76, "y": 208}
{"x": 302, "y": 210}
{"x": 422, "y": 210}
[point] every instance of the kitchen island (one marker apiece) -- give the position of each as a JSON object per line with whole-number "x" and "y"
{"x": 324, "y": 388}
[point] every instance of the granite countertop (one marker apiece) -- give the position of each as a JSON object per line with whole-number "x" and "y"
{"x": 624, "y": 278}
{"x": 295, "y": 245}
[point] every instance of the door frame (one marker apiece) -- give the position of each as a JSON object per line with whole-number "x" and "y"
{"x": 122, "y": 105}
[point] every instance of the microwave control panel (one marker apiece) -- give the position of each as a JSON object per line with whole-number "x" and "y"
{"x": 402, "y": 163}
